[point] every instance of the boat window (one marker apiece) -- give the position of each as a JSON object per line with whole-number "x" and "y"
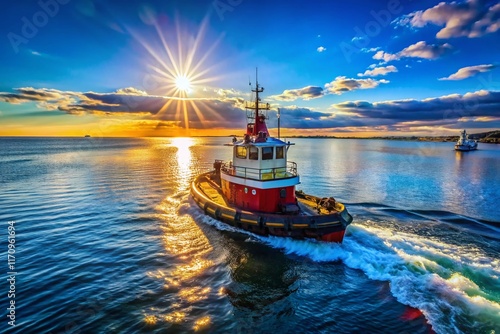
{"x": 241, "y": 152}
{"x": 253, "y": 153}
{"x": 280, "y": 152}
{"x": 267, "y": 153}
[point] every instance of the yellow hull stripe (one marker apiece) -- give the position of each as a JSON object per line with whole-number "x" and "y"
{"x": 226, "y": 216}
{"x": 300, "y": 225}
{"x": 248, "y": 221}
{"x": 275, "y": 224}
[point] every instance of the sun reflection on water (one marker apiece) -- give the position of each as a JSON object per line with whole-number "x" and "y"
{"x": 192, "y": 295}
{"x": 150, "y": 320}
{"x": 175, "y": 317}
{"x": 188, "y": 249}
{"x": 201, "y": 323}
{"x": 184, "y": 160}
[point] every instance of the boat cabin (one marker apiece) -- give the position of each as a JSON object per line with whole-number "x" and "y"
{"x": 259, "y": 177}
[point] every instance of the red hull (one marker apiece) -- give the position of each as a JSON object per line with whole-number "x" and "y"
{"x": 334, "y": 237}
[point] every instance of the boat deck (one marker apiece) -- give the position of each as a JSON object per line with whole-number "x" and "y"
{"x": 213, "y": 192}
{"x": 308, "y": 204}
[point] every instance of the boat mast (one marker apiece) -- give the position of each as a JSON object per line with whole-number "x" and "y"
{"x": 257, "y": 90}
{"x": 259, "y": 124}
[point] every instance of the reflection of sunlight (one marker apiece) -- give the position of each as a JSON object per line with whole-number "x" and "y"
{"x": 183, "y": 160}
{"x": 183, "y": 152}
{"x": 189, "y": 248}
{"x": 201, "y": 323}
{"x": 185, "y": 245}
{"x": 150, "y": 319}
{"x": 175, "y": 317}
{"x": 195, "y": 294}
{"x": 185, "y": 272}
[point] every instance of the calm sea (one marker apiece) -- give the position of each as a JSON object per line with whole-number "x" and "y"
{"x": 108, "y": 240}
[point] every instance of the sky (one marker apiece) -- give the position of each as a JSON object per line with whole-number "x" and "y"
{"x": 185, "y": 68}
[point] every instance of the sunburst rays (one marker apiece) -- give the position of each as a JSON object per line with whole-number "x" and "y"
{"x": 180, "y": 68}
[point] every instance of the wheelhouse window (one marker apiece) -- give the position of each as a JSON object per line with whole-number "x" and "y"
{"x": 267, "y": 153}
{"x": 253, "y": 153}
{"x": 241, "y": 152}
{"x": 280, "y": 152}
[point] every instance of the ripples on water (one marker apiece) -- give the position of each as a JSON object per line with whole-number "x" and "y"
{"x": 108, "y": 240}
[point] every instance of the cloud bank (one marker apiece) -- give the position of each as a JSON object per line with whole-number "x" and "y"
{"x": 449, "y": 107}
{"x": 479, "y": 109}
{"x": 201, "y": 113}
{"x": 473, "y": 18}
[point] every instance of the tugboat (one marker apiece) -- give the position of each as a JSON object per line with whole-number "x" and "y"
{"x": 464, "y": 143}
{"x": 255, "y": 191}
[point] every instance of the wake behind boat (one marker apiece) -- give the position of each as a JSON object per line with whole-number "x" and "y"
{"x": 255, "y": 191}
{"x": 464, "y": 143}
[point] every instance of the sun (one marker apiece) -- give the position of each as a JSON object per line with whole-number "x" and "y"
{"x": 180, "y": 67}
{"x": 182, "y": 83}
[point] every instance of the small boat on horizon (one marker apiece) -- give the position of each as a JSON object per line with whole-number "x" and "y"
{"x": 87, "y": 136}
{"x": 464, "y": 143}
{"x": 255, "y": 191}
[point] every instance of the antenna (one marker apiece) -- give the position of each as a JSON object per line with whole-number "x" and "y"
{"x": 259, "y": 119}
{"x": 279, "y": 114}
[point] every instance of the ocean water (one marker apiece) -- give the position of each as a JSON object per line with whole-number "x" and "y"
{"x": 108, "y": 240}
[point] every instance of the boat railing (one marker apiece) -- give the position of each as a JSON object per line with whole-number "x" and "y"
{"x": 261, "y": 174}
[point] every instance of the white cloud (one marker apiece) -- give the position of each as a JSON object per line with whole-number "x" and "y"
{"x": 378, "y": 71}
{"x": 131, "y": 91}
{"x": 425, "y": 51}
{"x": 321, "y": 49}
{"x": 370, "y": 49}
{"x": 385, "y": 56}
{"x": 343, "y": 84}
{"x": 306, "y": 93}
{"x": 418, "y": 50}
{"x": 469, "y": 71}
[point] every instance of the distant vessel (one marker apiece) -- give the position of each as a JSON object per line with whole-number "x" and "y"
{"x": 464, "y": 143}
{"x": 86, "y": 136}
{"x": 256, "y": 190}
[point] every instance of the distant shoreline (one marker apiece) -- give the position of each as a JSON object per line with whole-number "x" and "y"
{"x": 491, "y": 137}
{"x": 411, "y": 138}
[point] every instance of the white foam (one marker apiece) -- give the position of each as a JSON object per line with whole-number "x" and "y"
{"x": 424, "y": 273}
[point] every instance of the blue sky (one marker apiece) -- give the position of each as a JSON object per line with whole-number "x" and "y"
{"x": 333, "y": 67}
